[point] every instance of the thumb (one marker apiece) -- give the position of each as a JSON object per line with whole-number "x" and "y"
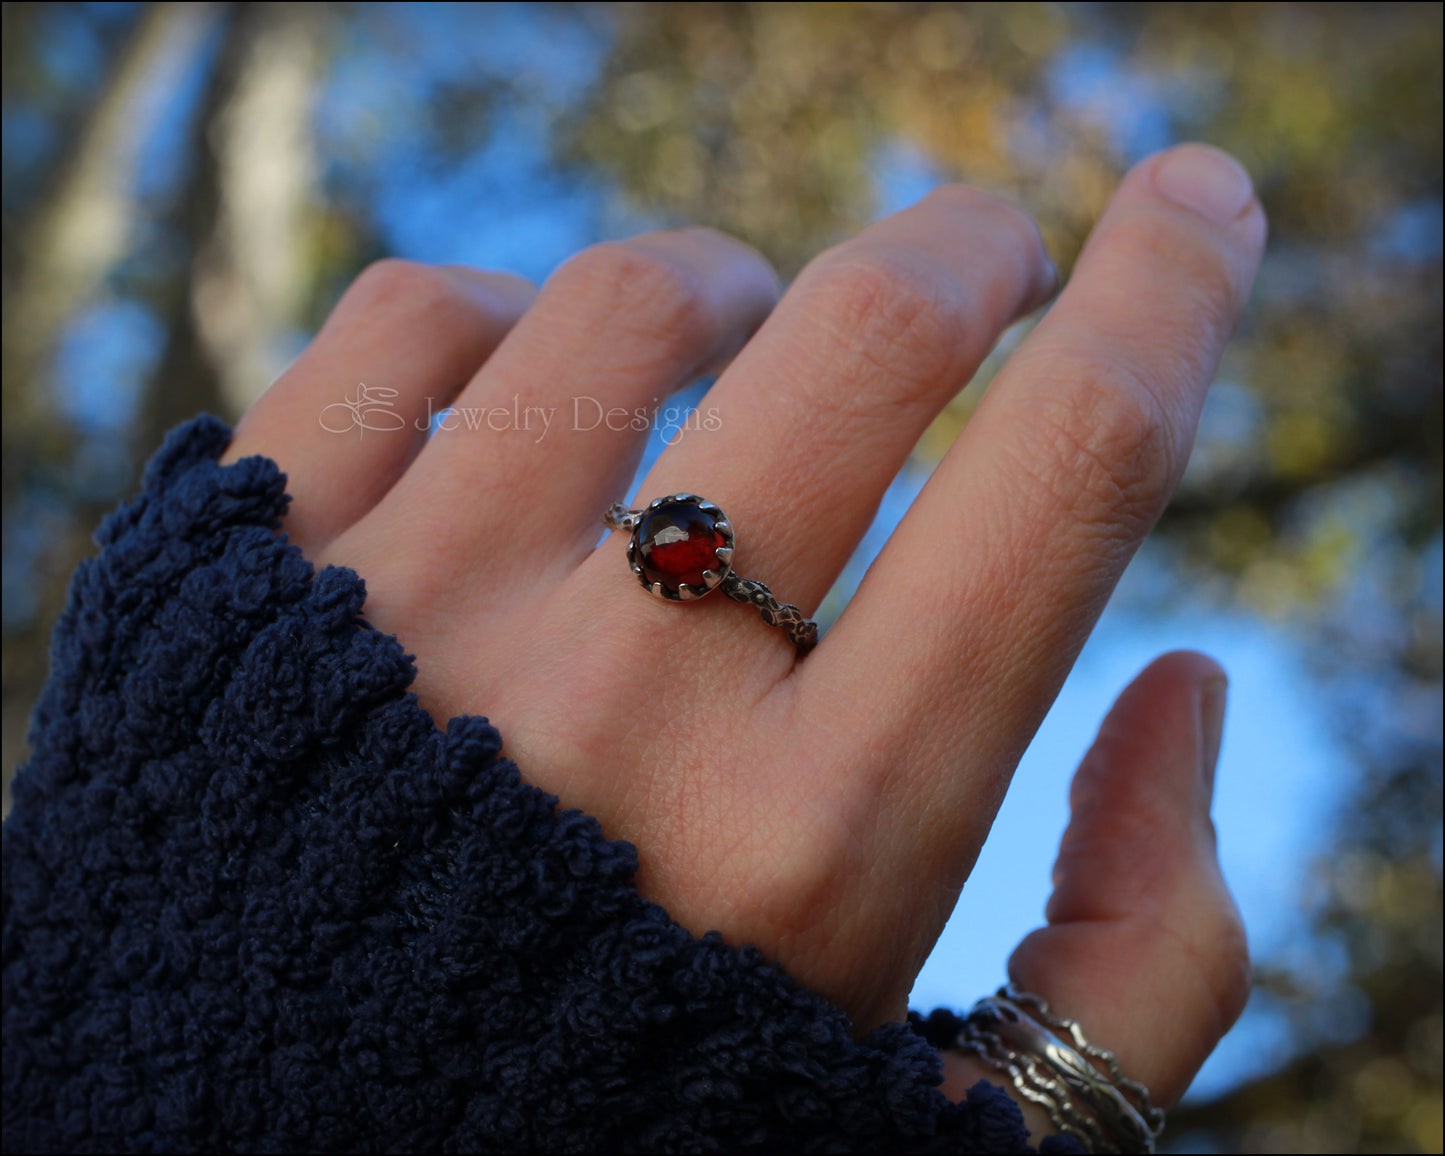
{"x": 1144, "y": 946}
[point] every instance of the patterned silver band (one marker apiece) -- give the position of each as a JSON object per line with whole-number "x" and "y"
{"x": 1103, "y": 1109}
{"x": 718, "y": 572}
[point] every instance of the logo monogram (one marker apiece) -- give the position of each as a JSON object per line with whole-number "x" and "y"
{"x": 370, "y": 409}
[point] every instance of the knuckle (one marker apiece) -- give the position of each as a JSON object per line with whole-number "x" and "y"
{"x": 393, "y": 287}
{"x": 1231, "y": 976}
{"x": 1002, "y": 214}
{"x": 724, "y": 251}
{"x": 1006, "y": 224}
{"x": 620, "y": 285}
{"x": 1108, "y": 457}
{"x": 897, "y": 316}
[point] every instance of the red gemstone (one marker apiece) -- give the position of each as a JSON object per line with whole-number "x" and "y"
{"x": 676, "y": 542}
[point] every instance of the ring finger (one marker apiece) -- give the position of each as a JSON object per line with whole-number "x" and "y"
{"x": 615, "y": 330}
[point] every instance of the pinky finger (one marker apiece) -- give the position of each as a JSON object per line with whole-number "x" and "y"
{"x": 347, "y": 418}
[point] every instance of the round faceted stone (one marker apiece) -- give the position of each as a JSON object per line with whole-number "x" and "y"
{"x": 676, "y": 542}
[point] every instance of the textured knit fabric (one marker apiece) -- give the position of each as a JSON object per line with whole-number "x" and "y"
{"x": 255, "y": 900}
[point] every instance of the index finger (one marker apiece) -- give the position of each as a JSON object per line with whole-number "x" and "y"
{"x": 973, "y": 614}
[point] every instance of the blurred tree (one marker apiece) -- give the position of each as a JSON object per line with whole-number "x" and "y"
{"x": 66, "y": 228}
{"x": 253, "y": 273}
{"x": 250, "y": 221}
{"x": 60, "y": 248}
{"x": 224, "y": 259}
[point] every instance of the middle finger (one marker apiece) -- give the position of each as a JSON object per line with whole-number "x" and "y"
{"x": 818, "y": 413}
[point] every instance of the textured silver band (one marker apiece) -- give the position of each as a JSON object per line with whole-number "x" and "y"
{"x": 1108, "y": 1112}
{"x": 800, "y": 629}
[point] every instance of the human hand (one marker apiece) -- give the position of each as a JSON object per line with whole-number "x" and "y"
{"x": 827, "y": 811}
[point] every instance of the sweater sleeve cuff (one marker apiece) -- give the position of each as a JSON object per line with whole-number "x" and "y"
{"x": 255, "y": 899}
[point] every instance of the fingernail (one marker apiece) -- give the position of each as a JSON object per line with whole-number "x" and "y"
{"x": 1212, "y": 698}
{"x": 1204, "y": 179}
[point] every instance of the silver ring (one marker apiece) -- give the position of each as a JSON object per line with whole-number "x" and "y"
{"x": 1107, "y": 1112}
{"x": 681, "y": 549}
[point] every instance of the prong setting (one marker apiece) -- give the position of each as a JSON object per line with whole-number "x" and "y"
{"x": 712, "y": 572}
{"x": 681, "y": 549}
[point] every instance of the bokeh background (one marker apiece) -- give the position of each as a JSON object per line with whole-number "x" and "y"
{"x": 188, "y": 188}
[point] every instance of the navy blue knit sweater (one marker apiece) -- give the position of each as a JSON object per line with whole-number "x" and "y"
{"x": 255, "y": 900}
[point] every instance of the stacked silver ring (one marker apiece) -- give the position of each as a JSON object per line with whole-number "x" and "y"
{"x": 1014, "y": 1032}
